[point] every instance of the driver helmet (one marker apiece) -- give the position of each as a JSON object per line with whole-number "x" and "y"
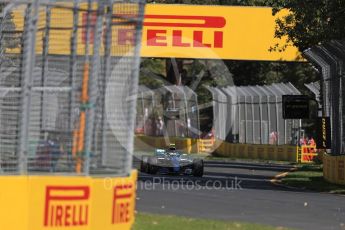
{"x": 172, "y": 147}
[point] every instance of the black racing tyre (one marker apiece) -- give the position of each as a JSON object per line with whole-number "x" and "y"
{"x": 198, "y": 168}
{"x": 152, "y": 165}
{"x": 144, "y": 166}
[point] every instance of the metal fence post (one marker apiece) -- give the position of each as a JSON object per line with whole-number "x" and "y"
{"x": 29, "y": 55}
{"x": 45, "y": 64}
{"x": 337, "y": 51}
{"x": 107, "y": 70}
{"x": 239, "y": 116}
{"x": 330, "y": 89}
{"x": 73, "y": 64}
{"x": 277, "y": 110}
{"x": 279, "y": 89}
{"x": 243, "y": 95}
{"x": 260, "y": 111}
{"x": 92, "y": 86}
{"x": 135, "y": 83}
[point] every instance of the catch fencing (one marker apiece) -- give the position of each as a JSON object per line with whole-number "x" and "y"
{"x": 253, "y": 115}
{"x": 68, "y": 86}
{"x": 170, "y": 111}
{"x": 329, "y": 59}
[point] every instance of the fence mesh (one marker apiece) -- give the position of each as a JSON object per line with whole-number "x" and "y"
{"x": 69, "y": 75}
{"x": 253, "y": 114}
{"x": 329, "y": 59}
{"x": 170, "y": 111}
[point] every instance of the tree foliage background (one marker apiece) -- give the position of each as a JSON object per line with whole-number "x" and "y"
{"x": 311, "y": 22}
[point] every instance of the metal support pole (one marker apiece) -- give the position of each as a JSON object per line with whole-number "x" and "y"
{"x": 106, "y": 73}
{"x": 255, "y": 89}
{"x": 73, "y": 64}
{"x": 253, "y": 121}
{"x": 239, "y": 119}
{"x": 277, "y": 120}
{"x": 186, "y": 115}
{"x": 29, "y": 58}
{"x": 143, "y": 109}
{"x": 92, "y": 86}
{"x": 267, "y": 89}
{"x": 198, "y": 115}
{"x": 277, "y": 113}
{"x": 260, "y": 109}
{"x": 269, "y": 117}
{"x": 174, "y": 107}
{"x": 135, "y": 83}
{"x": 245, "y": 120}
{"x": 45, "y": 67}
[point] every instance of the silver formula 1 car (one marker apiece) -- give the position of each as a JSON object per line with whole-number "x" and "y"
{"x": 171, "y": 161}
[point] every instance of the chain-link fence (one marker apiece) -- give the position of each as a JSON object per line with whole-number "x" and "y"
{"x": 69, "y": 75}
{"x": 315, "y": 88}
{"x": 329, "y": 59}
{"x": 170, "y": 111}
{"x": 253, "y": 115}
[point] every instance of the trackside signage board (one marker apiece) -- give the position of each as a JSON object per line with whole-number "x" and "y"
{"x": 295, "y": 106}
{"x": 57, "y": 203}
{"x": 182, "y": 31}
{"x": 221, "y": 32}
{"x": 324, "y": 139}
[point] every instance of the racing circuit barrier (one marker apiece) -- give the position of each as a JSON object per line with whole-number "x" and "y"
{"x": 303, "y": 154}
{"x": 55, "y": 202}
{"x": 261, "y": 152}
{"x": 220, "y": 148}
{"x": 334, "y": 169}
{"x": 298, "y": 154}
{"x": 66, "y": 121}
{"x": 252, "y": 114}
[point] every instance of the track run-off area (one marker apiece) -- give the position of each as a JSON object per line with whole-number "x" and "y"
{"x": 240, "y": 191}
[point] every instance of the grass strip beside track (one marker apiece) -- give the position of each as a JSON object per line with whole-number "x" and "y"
{"x": 160, "y": 222}
{"x": 310, "y": 177}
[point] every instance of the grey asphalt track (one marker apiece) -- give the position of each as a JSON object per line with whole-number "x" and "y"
{"x": 240, "y": 191}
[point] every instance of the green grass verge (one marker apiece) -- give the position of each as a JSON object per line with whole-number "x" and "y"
{"x": 160, "y": 222}
{"x": 311, "y": 177}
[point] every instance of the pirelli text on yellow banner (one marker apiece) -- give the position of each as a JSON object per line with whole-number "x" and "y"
{"x": 57, "y": 203}
{"x": 219, "y": 32}
{"x": 186, "y": 31}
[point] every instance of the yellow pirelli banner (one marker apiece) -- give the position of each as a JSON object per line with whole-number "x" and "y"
{"x": 57, "y": 203}
{"x": 182, "y": 31}
{"x": 219, "y": 32}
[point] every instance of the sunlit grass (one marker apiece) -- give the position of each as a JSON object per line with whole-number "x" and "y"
{"x": 311, "y": 177}
{"x": 161, "y": 222}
